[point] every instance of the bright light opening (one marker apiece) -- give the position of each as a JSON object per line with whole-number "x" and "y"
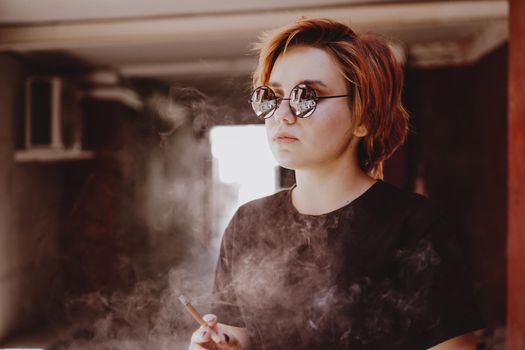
{"x": 243, "y": 163}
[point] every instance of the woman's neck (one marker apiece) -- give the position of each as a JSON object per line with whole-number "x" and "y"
{"x": 324, "y": 190}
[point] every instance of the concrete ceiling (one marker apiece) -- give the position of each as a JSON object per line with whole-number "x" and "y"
{"x": 171, "y": 39}
{"x": 30, "y": 11}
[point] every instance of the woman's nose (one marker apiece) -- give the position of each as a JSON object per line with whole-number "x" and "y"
{"x": 284, "y": 114}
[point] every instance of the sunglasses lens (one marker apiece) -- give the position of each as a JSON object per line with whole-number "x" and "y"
{"x": 303, "y": 101}
{"x": 263, "y": 102}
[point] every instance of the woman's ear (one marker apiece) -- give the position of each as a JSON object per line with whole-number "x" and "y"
{"x": 360, "y": 131}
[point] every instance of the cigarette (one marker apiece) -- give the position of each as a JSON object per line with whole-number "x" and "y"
{"x": 214, "y": 336}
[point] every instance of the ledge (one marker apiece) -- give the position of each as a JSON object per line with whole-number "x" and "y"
{"x": 51, "y": 155}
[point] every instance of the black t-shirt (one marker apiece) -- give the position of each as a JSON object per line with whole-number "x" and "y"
{"x": 382, "y": 272}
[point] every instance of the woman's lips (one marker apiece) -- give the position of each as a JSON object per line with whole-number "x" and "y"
{"x": 285, "y": 138}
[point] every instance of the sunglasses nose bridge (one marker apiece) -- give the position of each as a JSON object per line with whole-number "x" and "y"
{"x": 287, "y": 115}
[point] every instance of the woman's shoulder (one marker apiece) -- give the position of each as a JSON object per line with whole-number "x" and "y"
{"x": 265, "y": 205}
{"x": 417, "y": 208}
{"x": 406, "y": 197}
{"x": 256, "y": 216}
{"x": 390, "y": 210}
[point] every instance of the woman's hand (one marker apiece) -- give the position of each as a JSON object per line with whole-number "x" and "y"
{"x": 201, "y": 338}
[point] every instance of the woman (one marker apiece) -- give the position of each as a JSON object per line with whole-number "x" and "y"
{"x": 342, "y": 260}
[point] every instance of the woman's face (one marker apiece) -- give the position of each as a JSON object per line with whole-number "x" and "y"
{"x": 322, "y": 139}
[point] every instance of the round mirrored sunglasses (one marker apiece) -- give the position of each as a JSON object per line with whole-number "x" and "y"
{"x": 302, "y": 100}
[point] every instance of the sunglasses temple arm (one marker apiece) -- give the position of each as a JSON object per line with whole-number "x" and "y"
{"x": 323, "y": 97}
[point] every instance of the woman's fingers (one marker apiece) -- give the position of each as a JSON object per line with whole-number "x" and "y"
{"x": 201, "y": 339}
{"x": 211, "y": 320}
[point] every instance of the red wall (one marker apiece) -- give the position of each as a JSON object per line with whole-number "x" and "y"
{"x": 458, "y": 146}
{"x": 516, "y": 179}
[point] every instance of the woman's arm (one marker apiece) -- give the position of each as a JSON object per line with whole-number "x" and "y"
{"x": 463, "y": 342}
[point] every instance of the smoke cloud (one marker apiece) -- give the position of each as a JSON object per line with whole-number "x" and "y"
{"x": 140, "y": 232}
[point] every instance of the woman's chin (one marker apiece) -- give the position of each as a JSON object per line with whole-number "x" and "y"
{"x": 287, "y": 159}
{"x": 288, "y": 163}
{"x": 286, "y": 166}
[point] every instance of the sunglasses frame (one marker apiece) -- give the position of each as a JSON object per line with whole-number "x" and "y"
{"x": 279, "y": 100}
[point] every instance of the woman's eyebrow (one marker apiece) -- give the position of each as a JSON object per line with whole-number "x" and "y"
{"x": 313, "y": 82}
{"x": 307, "y": 82}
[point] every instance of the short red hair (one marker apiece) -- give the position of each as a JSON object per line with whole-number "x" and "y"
{"x": 374, "y": 81}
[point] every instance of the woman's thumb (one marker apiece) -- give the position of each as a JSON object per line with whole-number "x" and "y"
{"x": 211, "y": 320}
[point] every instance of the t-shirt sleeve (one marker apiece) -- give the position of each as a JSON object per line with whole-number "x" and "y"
{"x": 452, "y": 310}
{"x": 225, "y": 299}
